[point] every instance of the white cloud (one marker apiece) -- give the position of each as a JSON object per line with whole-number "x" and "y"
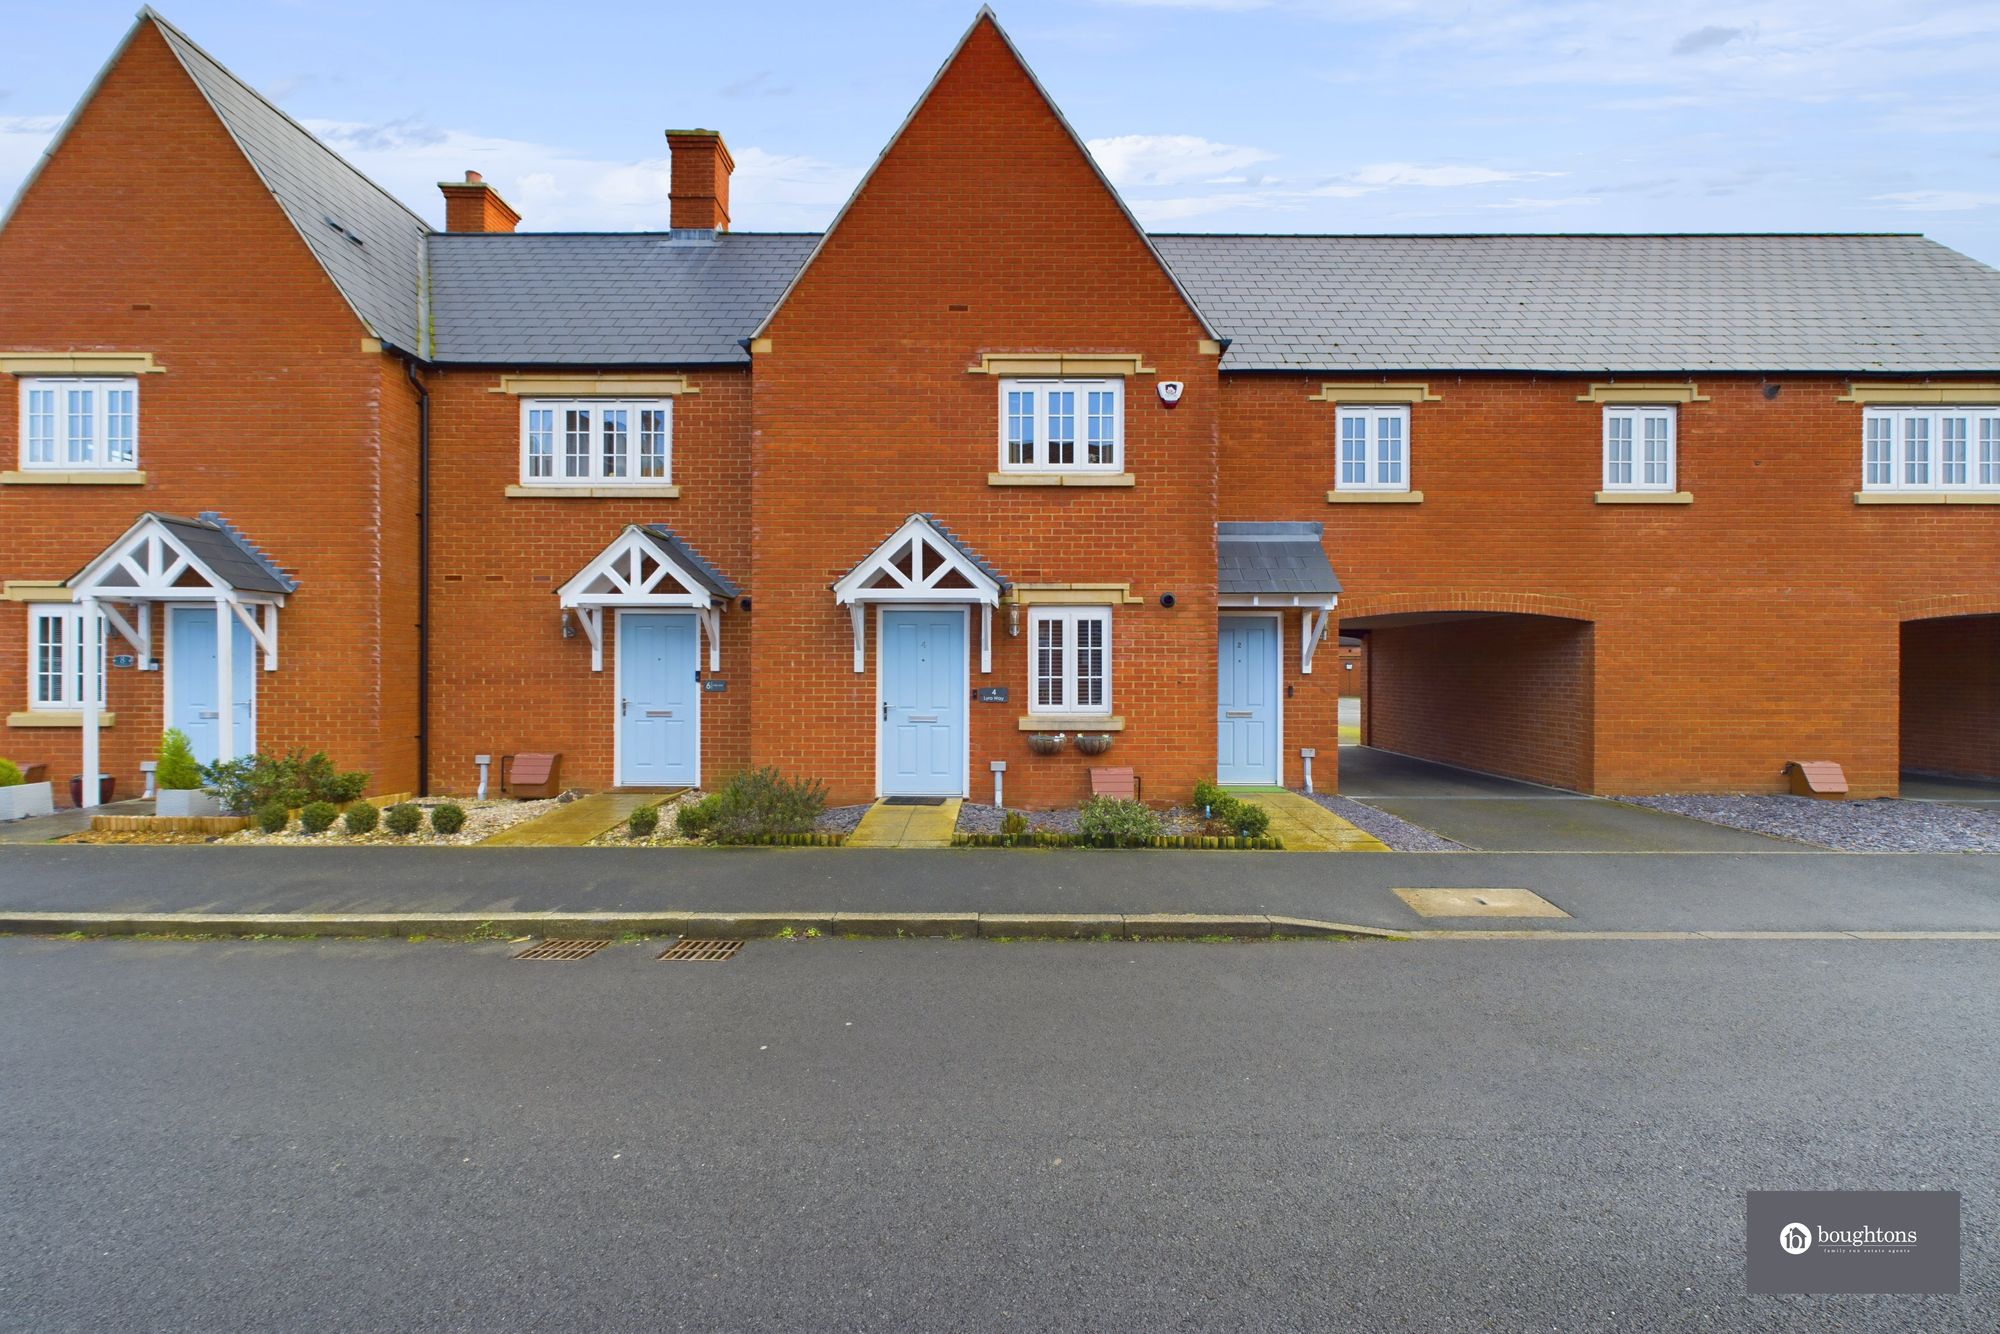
{"x": 1939, "y": 201}
{"x": 1390, "y": 175}
{"x": 1172, "y": 159}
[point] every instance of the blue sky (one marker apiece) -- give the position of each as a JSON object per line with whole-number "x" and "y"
{"x": 1211, "y": 115}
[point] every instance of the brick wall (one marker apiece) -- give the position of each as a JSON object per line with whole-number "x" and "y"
{"x": 1951, "y": 696}
{"x": 149, "y": 232}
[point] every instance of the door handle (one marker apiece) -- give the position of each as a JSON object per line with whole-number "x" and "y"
{"x": 885, "y": 710}
{"x": 1239, "y": 713}
{"x": 624, "y": 707}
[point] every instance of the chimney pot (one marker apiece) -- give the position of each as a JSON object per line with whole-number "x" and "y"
{"x": 471, "y": 205}
{"x": 699, "y": 192}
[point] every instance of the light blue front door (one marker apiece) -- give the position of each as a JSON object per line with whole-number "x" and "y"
{"x": 659, "y": 704}
{"x": 923, "y": 704}
{"x": 194, "y": 708}
{"x": 1246, "y": 722}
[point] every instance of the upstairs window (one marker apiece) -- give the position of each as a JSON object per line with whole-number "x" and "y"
{"x": 55, "y": 658}
{"x": 79, "y": 425}
{"x": 1374, "y": 449}
{"x": 1062, "y": 425}
{"x": 1639, "y": 449}
{"x": 596, "y": 442}
{"x": 1930, "y": 449}
{"x": 1069, "y": 665}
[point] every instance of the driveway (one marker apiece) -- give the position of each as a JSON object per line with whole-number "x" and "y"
{"x": 1495, "y": 814}
{"x": 1951, "y": 791}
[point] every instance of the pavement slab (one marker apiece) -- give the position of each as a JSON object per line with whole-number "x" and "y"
{"x": 889, "y": 826}
{"x": 1303, "y": 825}
{"x": 574, "y": 823}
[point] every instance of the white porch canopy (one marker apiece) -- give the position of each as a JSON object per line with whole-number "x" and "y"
{"x": 647, "y": 566}
{"x": 1277, "y": 566}
{"x": 921, "y": 562}
{"x": 164, "y": 558}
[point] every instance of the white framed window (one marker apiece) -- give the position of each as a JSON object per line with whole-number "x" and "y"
{"x": 1374, "y": 449}
{"x": 79, "y": 424}
{"x": 596, "y": 441}
{"x": 1062, "y": 425}
{"x": 1930, "y": 449}
{"x": 1069, "y": 660}
{"x": 1639, "y": 449}
{"x": 55, "y": 657}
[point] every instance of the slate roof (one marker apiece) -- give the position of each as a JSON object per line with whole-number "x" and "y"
{"x": 1280, "y": 558}
{"x": 369, "y": 244}
{"x": 217, "y": 544}
{"x": 690, "y": 560}
{"x": 1593, "y": 303}
{"x": 605, "y": 299}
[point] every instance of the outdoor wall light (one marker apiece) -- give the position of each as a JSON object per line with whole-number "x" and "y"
{"x": 568, "y": 626}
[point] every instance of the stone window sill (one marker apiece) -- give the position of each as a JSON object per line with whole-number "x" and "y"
{"x": 594, "y": 492}
{"x": 1069, "y": 722}
{"x": 56, "y": 718}
{"x": 1374, "y": 497}
{"x": 1645, "y": 497}
{"x": 85, "y": 478}
{"x": 1927, "y": 497}
{"x": 1060, "y": 479}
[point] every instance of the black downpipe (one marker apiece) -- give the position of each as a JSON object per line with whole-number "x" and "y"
{"x": 423, "y": 579}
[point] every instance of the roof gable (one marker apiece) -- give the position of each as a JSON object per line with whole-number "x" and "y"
{"x": 984, "y": 34}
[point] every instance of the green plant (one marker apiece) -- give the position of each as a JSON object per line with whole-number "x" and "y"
{"x": 1013, "y": 824}
{"x": 693, "y": 818}
{"x": 755, "y": 806}
{"x": 447, "y": 817}
{"x": 10, "y": 774}
{"x": 294, "y": 778}
{"x": 1227, "y": 816}
{"x": 318, "y": 817}
{"x": 273, "y": 816}
{"x": 403, "y": 819}
{"x": 1113, "y": 823}
{"x": 361, "y": 818}
{"x": 643, "y": 821}
{"x": 176, "y": 770}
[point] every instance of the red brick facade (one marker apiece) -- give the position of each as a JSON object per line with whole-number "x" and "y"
{"x": 1512, "y": 622}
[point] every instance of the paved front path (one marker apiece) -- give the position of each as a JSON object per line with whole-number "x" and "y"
{"x": 1789, "y": 891}
{"x": 74, "y": 820}
{"x": 886, "y": 826}
{"x": 573, "y": 823}
{"x": 1303, "y": 825}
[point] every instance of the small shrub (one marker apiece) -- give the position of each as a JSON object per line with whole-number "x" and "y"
{"x": 1113, "y": 823}
{"x": 693, "y": 818}
{"x": 643, "y": 821}
{"x": 1251, "y": 820}
{"x": 10, "y": 774}
{"x": 273, "y": 816}
{"x": 447, "y": 817}
{"x": 1013, "y": 824}
{"x": 758, "y": 804}
{"x": 1226, "y": 816}
{"x": 294, "y": 778}
{"x": 318, "y": 817}
{"x": 361, "y": 818}
{"x": 403, "y": 819}
{"x": 345, "y": 786}
{"x": 176, "y": 770}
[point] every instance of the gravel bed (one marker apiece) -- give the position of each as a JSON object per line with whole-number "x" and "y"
{"x": 1398, "y": 833}
{"x": 832, "y": 820}
{"x": 482, "y": 820}
{"x": 840, "y": 819}
{"x": 1845, "y": 826}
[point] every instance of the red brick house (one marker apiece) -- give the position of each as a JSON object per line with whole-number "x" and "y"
{"x": 984, "y": 462}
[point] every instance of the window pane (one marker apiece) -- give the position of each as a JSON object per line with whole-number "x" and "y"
{"x": 541, "y": 442}
{"x": 1618, "y": 447}
{"x": 1916, "y": 451}
{"x": 81, "y": 425}
{"x": 1953, "y": 453}
{"x": 121, "y": 439}
{"x": 1353, "y": 450}
{"x": 1103, "y": 426}
{"x": 1062, "y": 426}
{"x": 1989, "y": 451}
{"x": 1656, "y": 451}
{"x": 1090, "y": 662}
{"x": 1020, "y": 426}
{"x": 576, "y": 442}
{"x": 1389, "y": 449}
{"x": 1049, "y": 663}
{"x": 41, "y": 426}
{"x": 653, "y": 443}
{"x": 49, "y": 652}
{"x": 616, "y": 424}
{"x": 1879, "y": 452}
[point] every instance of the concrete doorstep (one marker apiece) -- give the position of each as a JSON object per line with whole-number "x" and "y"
{"x": 1009, "y": 926}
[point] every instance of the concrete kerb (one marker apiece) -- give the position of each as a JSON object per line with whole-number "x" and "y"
{"x": 1012, "y": 926}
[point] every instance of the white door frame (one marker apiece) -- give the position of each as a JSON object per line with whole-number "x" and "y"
{"x": 222, "y": 623}
{"x": 1277, "y": 620}
{"x": 965, "y": 689}
{"x": 618, "y": 688}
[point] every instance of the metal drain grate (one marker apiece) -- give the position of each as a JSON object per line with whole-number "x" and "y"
{"x": 563, "y": 949}
{"x": 701, "y": 951}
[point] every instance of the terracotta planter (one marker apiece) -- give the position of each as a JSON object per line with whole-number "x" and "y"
{"x": 1095, "y": 743}
{"x": 1045, "y": 743}
{"x": 106, "y": 786}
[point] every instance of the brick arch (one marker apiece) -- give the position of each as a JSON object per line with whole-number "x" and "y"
{"x": 1942, "y": 605}
{"x": 1521, "y": 604}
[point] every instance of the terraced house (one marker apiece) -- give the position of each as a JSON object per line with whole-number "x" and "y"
{"x": 985, "y": 462}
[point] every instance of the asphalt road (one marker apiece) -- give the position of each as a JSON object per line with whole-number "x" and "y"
{"x": 958, "y": 1135}
{"x": 1802, "y": 891}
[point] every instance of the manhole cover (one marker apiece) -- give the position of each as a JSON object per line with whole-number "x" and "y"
{"x": 1478, "y": 903}
{"x": 701, "y": 951}
{"x": 563, "y": 949}
{"x": 913, "y": 801}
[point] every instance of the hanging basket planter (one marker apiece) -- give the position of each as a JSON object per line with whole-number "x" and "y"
{"x": 1046, "y": 743}
{"x": 1095, "y": 743}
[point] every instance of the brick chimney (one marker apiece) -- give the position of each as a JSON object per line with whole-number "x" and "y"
{"x": 700, "y": 190}
{"x": 472, "y": 205}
